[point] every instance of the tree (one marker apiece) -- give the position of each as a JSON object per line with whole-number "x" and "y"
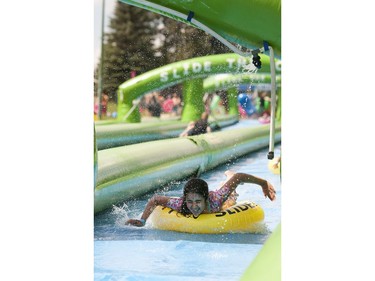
{"x": 128, "y": 46}
{"x": 182, "y": 41}
{"x": 140, "y": 41}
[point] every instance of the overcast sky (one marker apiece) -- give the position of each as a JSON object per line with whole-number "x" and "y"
{"x": 108, "y": 10}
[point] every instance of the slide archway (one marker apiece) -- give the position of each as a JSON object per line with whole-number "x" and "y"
{"x": 225, "y": 81}
{"x": 178, "y": 72}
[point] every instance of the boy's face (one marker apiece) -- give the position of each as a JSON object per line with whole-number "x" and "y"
{"x": 195, "y": 203}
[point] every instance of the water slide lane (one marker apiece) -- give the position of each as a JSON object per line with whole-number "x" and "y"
{"x": 234, "y": 22}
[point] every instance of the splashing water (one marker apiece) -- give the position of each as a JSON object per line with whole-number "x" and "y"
{"x": 120, "y": 214}
{"x": 250, "y": 67}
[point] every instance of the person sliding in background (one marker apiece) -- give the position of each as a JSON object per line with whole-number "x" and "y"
{"x": 197, "y": 199}
{"x": 198, "y": 127}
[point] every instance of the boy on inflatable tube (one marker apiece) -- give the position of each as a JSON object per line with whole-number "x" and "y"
{"x": 198, "y": 200}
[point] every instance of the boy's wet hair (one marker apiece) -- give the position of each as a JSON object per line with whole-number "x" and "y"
{"x": 198, "y": 186}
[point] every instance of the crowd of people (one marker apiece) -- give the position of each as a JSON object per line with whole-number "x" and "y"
{"x": 155, "y": 105}
{"x": 104, "y": 112}
{"x": 255, "y": 105}
{"x": 251, "y": 104}
{"x": 151, "y": 105}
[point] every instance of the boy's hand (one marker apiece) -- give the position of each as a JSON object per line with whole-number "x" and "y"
{"x": 135, "y": 222}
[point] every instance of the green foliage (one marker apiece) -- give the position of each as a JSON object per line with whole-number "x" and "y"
{"x": 184, "y": 42}
{"x": 140, "y": 41}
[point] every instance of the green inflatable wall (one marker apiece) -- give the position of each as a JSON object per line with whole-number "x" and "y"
{"x": 267, "y": 264}
{"x": 113, "y": 135}
{"x": 133, "y": 170}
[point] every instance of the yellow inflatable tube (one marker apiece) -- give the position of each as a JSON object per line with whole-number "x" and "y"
{"x": 245, "y": 217}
